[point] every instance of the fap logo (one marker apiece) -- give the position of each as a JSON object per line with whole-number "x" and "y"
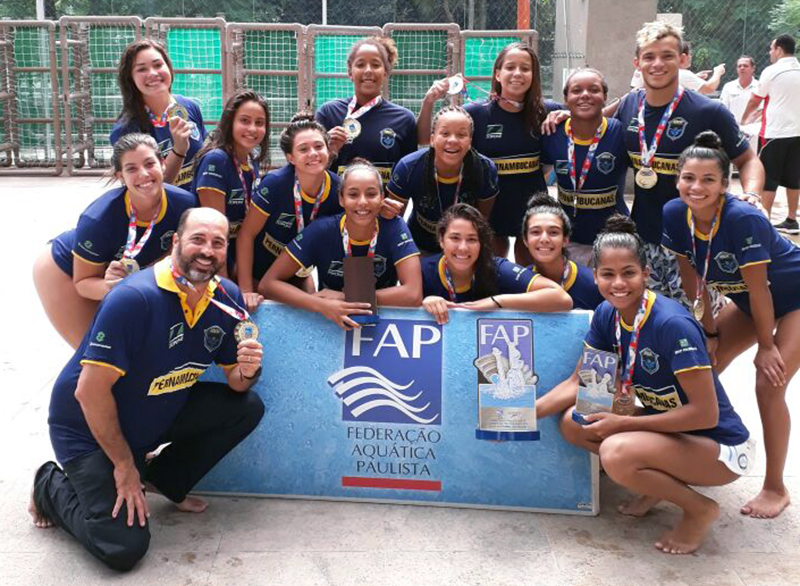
{"x": 392, "y": 373}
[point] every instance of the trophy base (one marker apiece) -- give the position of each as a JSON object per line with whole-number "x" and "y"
{"x": 365, "y": 320}
{"x": 503, "y": 436}
{"x": 579, "y": 419}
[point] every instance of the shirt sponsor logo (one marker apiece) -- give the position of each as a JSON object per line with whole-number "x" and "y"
{"x": 176, "y": 334}
{"x": 661, "y": 400}
{"x": 588, "y": 201}
{"x": 728, "y": 288}
{"x": 285, "y": 220}
{"x": 177, "y": 379}
{"x": 517, "y": 166}
{"x": 87, "y": 246}
{"x": 236, "y": 197}
{"x": 494, "y": 131}
{"x": 660, "y": 165}
{"x": 273, "y": 245}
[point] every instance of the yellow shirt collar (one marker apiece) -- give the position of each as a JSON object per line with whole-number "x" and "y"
{"x": 166, "y": 281}
{"x": 443, "y": 278}
{"x": 603, "y": 124}
{"x": 325, "y": 191}
{"x": 651, "y": 299}
{"x": 357, "y": 242}
{"x": 697, "y": 232}
{"x": 162, "y": 212}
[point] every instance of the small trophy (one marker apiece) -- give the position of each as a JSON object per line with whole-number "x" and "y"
{"x": 597, "y": 375}
{"x": 359, "y": 286}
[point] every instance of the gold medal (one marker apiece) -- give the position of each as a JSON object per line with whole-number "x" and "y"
{"x": 130, "y": 264}
{"x": 245, "y": 330}
{"x": 352, "y": 128}
{"x": 646, "y": 178}
{"x": 698, "y": 309}
{"x": 176, "y": 109}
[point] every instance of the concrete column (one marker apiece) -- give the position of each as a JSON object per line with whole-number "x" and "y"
{"x": 599, "y": 34}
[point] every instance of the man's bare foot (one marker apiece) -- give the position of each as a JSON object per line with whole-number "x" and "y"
{"x": 191, "y": 504}
{"x": 638, "y": 506}
{"x": 690, "y": 532}
{"x": 39, "y": 520}
{"x": 767, "y": 504}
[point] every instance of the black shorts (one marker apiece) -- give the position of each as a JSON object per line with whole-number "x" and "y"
{"x": 781, "y": 159}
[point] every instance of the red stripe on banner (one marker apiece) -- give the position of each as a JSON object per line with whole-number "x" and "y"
{"x": 395, "y": 483}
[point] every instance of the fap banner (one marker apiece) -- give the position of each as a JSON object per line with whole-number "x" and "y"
{"x": 403, "y": 411}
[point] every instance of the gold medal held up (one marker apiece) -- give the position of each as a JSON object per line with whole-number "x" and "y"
{"x": 175, "y": 109}
{"x": 352, "y": 129}
{"x": 245, "y": 330}
{"x": 130, "y": 264}
{"x": 698, "y": 309}
{"x": 646, "y": 178}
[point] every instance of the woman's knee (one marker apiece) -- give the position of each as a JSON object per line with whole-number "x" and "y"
{"x": 617, "y": 454}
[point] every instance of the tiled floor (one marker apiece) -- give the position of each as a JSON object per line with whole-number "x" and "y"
{"x": 276, "y": 542}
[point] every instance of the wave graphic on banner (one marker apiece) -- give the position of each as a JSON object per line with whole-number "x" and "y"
{"x": 361, "y": 383}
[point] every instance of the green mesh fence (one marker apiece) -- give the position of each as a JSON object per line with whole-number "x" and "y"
{"x": 32, "y": 106}
{"x": 417, "y": 50}
{"x": 330, "y": 56}
{"x": 198, "y": 49}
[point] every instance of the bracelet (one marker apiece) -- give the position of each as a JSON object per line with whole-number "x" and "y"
{"x": 710, "y": 334}
{"x": 256, "y": 374}
{"x": 180, "y": 156}
{"x": 753, "y": 193}
{"x": 496, "y": 302}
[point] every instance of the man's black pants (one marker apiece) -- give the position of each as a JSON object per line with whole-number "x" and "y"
{"x": 213, "y": 421}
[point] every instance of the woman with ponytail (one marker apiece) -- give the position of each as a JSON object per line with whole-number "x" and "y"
{"x": 727, "y": 245}
{"x": 450, "y": 171}
{"x": 686, "y": 433}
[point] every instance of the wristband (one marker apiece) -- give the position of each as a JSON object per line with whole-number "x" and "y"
{"x": 710, "y": 334}
{"x": 496, "y": 302}
{"x": 753, "y": 193}
{"x": 179, "y": 155}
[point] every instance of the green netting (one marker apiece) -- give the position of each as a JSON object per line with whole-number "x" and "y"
{"x": 272, "y": 50}
{"x": 198, "y": 49}
{"x": 331, "y": 88}
{"x": 421, "y": 49}
{"x": 31, "y": 47}
{"x": 280, "y": 93}
{"x": 36, "y": 143}
{"x": 481, "y": 52}
{"x": 408, "y": 90}
{"x": 106, "y": 44}
{"x": 330, "y": 52}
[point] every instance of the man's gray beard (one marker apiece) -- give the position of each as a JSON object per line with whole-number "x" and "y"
{"x": 194, "y": 276}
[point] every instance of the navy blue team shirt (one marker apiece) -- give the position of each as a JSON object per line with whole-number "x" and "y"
{"x": 321, "y": 245}
{"x": 670, "y": 342}
{"x": 275, "y": 200}
{"x": 102, "y": 229}
{"x": 603, "y": 192}
{"x": 164, "y": 138}
{"x": 145, "y": 331}
{"x": 743, "y": 236}
{"x": 694, "y": 114}
{"x": 388, "y": 133}
{"x": 511, "y": 279}
{"x": 408, "y": 179}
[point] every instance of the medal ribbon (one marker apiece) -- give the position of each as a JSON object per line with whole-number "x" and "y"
{"x": 701, "y": 281}
{"x": 565, "y": 275}
{"x": 648, "y": 154}
{"x": 133, "y": 248}
{"x": 356, "y": 114}
{"x": 373, "y": 243}
{"x": 451, "y": 288}
{"x": 298, "y": 203}
{"x": 577, "y": 185}
{"x": 458, "y": 188}
{"x": 240, "y": 313}
{"x": 245, "y": 184}
{"x": 627, "y": 378}
{"x": 160, "y": 121}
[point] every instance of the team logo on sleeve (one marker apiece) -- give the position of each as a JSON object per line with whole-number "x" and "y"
{"x": 727, "y": 262}
{"x": 388, "y": 137}
{"x": 166, "y": 239}
{"x": 212, "y": 338}
{"x": 676, "y": 128}
{"x": 605, "y": 163}
{"x": 649, "y": 360}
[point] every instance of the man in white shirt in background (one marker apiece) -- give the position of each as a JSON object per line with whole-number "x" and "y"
{"x": 735, "y": 95}
{"x": 779, "y": 140}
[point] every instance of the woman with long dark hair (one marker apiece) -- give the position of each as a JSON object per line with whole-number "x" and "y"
{"x": 145, "y": 77}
